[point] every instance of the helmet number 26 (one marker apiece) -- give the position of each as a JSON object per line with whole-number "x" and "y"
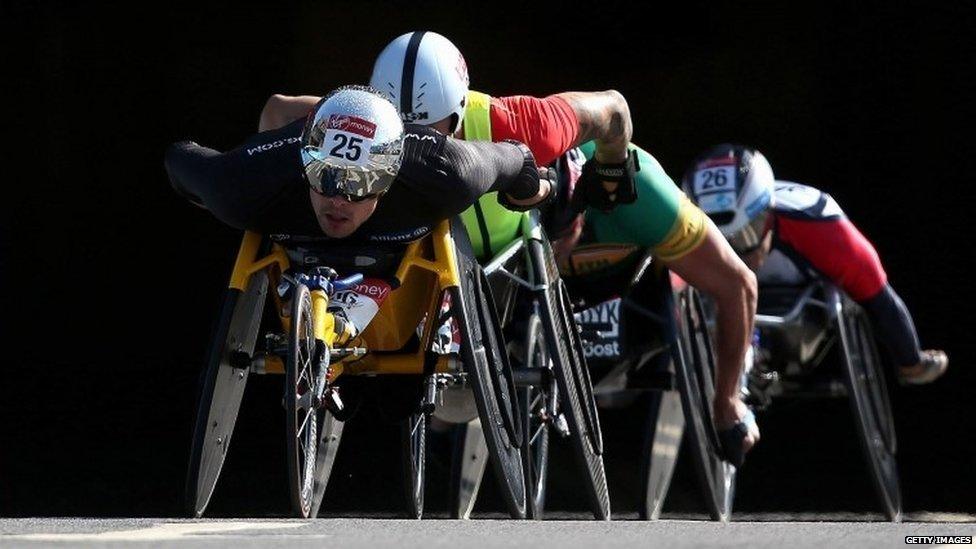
{"x": 348, "y": 147}
{"x": 713, "y": 179}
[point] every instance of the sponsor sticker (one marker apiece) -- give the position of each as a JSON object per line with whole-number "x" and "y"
{"x": 601, "y": 329}
{"x": 360, "y": 304}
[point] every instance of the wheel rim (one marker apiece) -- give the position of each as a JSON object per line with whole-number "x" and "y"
{"x": 539, "y": 406}
{"x": 870, "y": 405}
{"x": 505, "y": 457}
{"x": 304, "y": 386}
{"x": 415, "y": 435}
{"x": 502, "y": 382}
{"x": 223, "y": 389}
{"x": 577, "y": 401}
{"x": 695, "y": 351}
{"x": 581, "y": 374}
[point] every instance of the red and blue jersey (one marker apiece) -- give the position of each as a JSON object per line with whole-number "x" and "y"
{"x": 812, "y": 231}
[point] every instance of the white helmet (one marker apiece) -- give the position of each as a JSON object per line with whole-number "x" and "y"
{"x": 352, "y": 143}
{"x": 425, "y": 76}
{"x": 734, "y": 186}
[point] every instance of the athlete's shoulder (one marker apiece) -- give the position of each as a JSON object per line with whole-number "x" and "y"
{"x": 805, "y": 202}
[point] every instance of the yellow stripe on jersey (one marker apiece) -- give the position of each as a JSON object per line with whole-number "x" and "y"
{"x": 687, "y": 233}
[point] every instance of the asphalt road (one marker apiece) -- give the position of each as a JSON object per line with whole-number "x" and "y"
{"x": 754, "y": 532}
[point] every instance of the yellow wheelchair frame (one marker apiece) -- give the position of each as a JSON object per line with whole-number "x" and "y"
{"x": 427, "y": 270}
{"x": 430, "y": 268}
{"x": 441, "y": 264}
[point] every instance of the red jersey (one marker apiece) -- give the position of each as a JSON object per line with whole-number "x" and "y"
{"x": 547, "y": 125}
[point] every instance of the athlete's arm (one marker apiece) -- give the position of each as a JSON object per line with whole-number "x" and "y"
{"x": 603, "y": 117}
{"x": 280, "y": 110}
{"x": 508, "y": 167}
{"x": 715, "y": 269}
{"x": 259, "y": 185}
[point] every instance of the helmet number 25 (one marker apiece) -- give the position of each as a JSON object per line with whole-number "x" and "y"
{"x": 348, "y": 147}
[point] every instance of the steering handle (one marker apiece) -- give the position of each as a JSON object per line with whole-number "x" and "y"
{"x": 347, "y": 283}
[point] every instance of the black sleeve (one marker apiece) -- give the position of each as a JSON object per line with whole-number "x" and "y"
{"x": 258, "y": 186}
{"x": 483, "y": 167}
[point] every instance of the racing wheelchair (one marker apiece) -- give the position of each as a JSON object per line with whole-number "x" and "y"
{"x": 643, "y": 333}
{"x": 798, "y": 327}
{"x": 436, "y": 285}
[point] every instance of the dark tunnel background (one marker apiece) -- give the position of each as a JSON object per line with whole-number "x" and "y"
{"x": 111, "y": 282}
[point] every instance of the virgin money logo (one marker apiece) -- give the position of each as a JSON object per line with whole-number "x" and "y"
{"x": 373, "y": 288}
{"x": 352, "y": 124}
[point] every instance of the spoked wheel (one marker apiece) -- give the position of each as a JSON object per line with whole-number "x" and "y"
{"x": 222, "y": 389}
{"x": 662, "y": 440}
{"x": 573, "y": 379}
{"x": 304, "y": 384}
{"x": 489, "y": 374}
{"x": 539, "y": 403}
{"x": 869, "y": 402}
{"x": 695, "y": 365}
{"x": 414, "y": 435}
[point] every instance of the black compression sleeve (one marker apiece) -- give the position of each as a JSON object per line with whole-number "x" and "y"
{"x": 258, "y": 186}
{"x": 483, "y": 167}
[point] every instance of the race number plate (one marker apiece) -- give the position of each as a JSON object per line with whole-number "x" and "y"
{"x": 715, "y": 187}
{"x": 348, "y": 138}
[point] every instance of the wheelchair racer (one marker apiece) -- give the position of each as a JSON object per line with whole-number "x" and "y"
{"x": 784, "y": 231}
{"x": 354, "y": 173}
{"x": 630, "y": 199}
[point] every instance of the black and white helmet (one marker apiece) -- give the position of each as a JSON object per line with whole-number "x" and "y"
{"x": 425, "y": 76}
{"x": 733, "y": 184}
{"x": 352, "y": 143}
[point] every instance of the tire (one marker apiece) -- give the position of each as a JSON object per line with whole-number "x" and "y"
{"x": 538, "y": 404}
{"x": 485, "y": 359}
{"x": 304, "y": 381}
{"x": 695, "y": 366}
{"x": 870, "y": 405}
{"x": 572, "y": 378}
{"x": 414, "y": 436}
{"x": 222, "y": 389}
{"x": 662, "y": 442}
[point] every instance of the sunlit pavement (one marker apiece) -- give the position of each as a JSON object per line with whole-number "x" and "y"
{"x": 747, "y": 531}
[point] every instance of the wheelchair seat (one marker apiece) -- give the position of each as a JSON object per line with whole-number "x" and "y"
{"x": 795, "y": 325}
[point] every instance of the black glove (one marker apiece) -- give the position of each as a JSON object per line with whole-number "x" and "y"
{"x": 544, "y": 174}
{"x": 591, "y": 192}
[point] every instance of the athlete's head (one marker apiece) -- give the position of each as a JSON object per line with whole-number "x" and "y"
{"x": 351, "y": 151}
{"x": 426, "y": 77}
{"x": 734, "y": 186}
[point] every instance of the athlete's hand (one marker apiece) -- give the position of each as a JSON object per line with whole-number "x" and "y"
{"x": 545, "y": 195}
{"x": 604, "y": 186}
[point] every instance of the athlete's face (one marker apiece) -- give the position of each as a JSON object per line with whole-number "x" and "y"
{"x": 337, "y": 216}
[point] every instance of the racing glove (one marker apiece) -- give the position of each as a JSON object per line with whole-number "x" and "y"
{"x": 527, "y": 184}
{"x": 604, "y": 186}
